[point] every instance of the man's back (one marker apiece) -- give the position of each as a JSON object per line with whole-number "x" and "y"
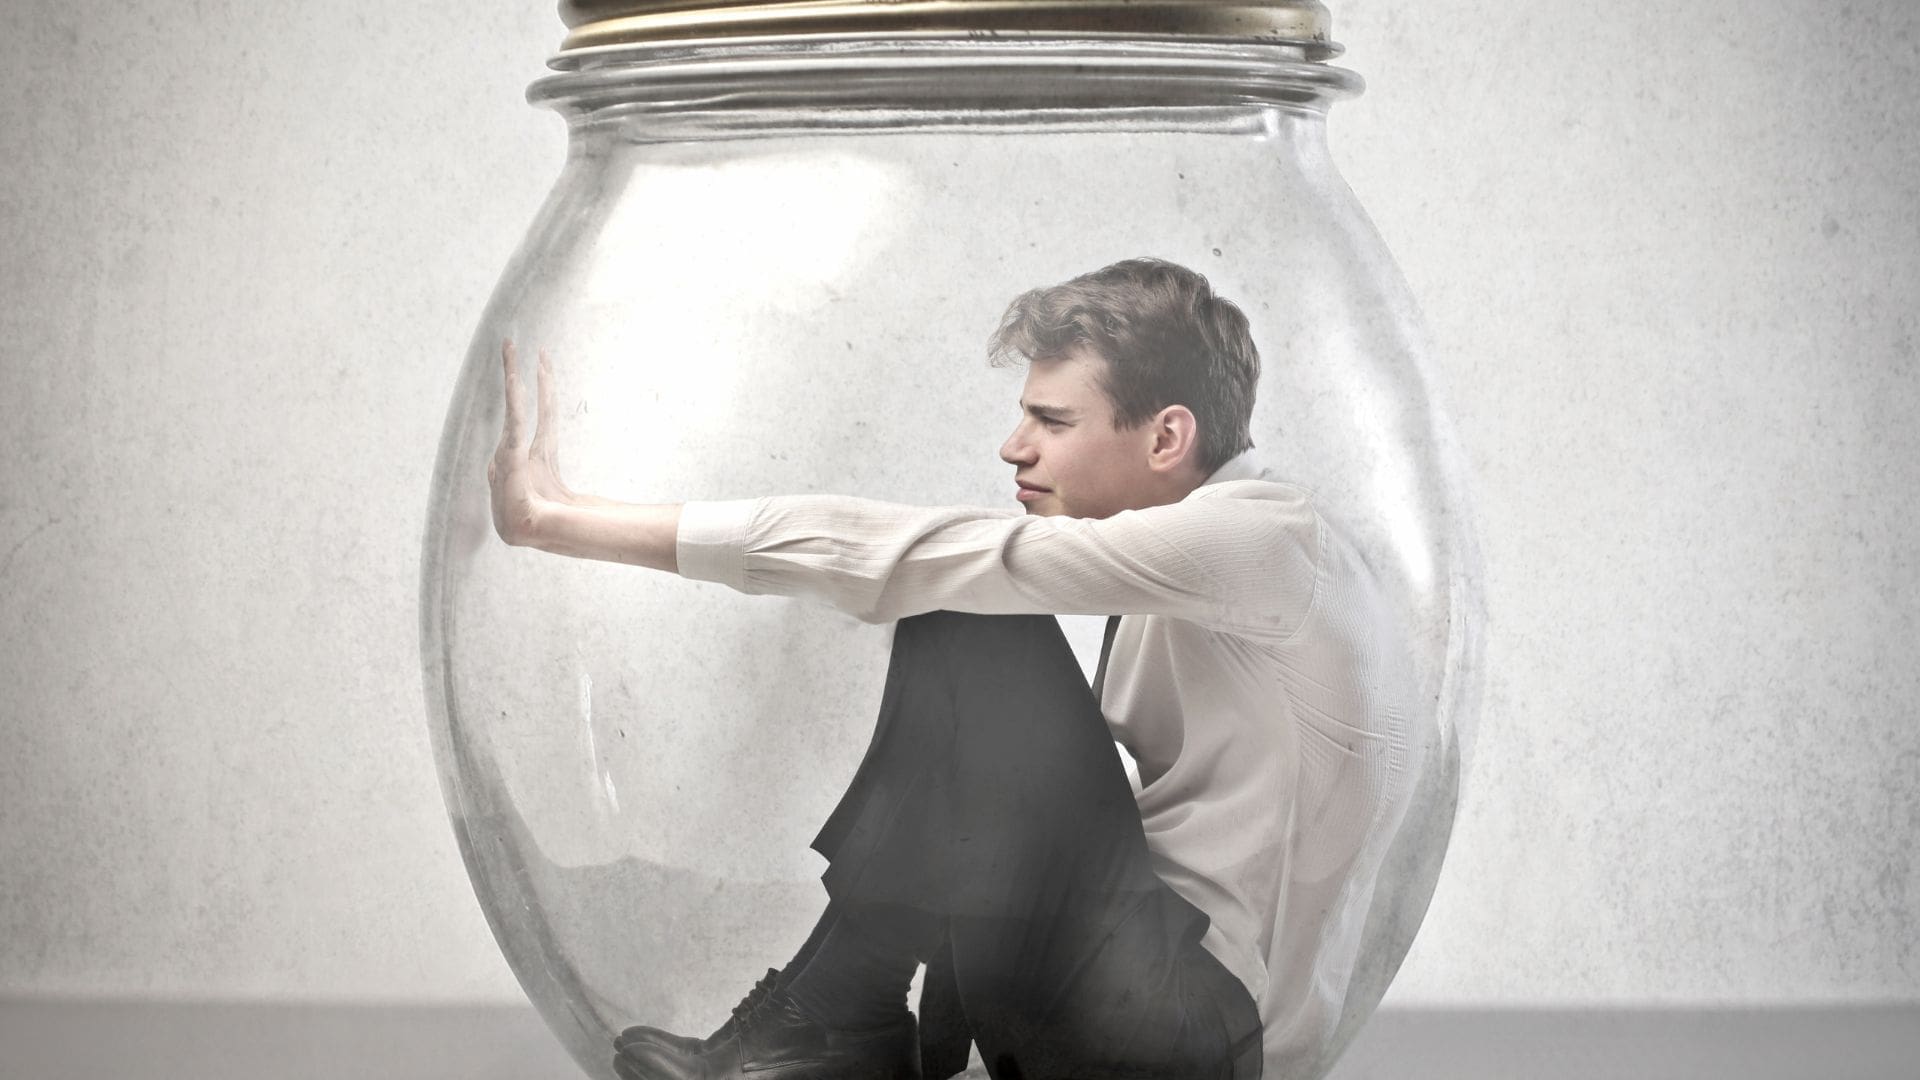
{"x": 1272, "y": 775}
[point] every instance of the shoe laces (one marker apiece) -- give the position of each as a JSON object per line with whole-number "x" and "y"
{"x": 756, "y": 997}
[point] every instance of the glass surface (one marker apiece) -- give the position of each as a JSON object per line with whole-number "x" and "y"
{"x": 773, "y": 270}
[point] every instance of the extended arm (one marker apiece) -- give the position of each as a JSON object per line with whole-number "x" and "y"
{"x": 533, "y": 507}
{"x": 1245, "y": 560}
{"x": 1249, "y": 564}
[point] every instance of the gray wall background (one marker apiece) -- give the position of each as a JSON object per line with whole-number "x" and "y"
{"x": 1671, "y": 259}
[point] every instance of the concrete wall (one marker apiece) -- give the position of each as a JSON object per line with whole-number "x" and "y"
{"x": 1670, "y": 255}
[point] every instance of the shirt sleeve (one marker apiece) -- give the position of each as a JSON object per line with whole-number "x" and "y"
{"x": 1245, "y": 565}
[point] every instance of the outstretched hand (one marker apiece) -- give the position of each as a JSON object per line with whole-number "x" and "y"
{"x": 533, "y": 507}
{"x": 524, "y": 476}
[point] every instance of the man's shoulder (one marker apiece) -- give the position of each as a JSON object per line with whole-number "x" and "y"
{"x": 1264, "y": 489}
{"x": 1249, "y": 475}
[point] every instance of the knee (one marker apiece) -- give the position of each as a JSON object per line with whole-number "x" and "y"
{"x": 971, "y": 623}
{"x": 966, "y": 637}
{"x": 1004, "y": 666}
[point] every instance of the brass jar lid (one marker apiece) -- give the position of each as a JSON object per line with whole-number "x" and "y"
{"x": 594, "y": 24}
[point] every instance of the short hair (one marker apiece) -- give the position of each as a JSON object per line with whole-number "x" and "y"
{"x": 1167, "y": 340}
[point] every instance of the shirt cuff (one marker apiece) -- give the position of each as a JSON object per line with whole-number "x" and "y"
{"x": 711, "y": 544}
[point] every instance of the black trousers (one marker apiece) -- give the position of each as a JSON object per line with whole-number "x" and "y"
{"x": 991, "y": 800}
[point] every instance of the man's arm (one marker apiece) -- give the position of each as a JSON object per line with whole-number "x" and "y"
{"x": 533, "y": 507}
{"x": 1250, "y": 565}
{"x": 1245, "y": 561}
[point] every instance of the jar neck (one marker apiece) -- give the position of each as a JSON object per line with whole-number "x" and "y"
{"x": 895, "y": 83}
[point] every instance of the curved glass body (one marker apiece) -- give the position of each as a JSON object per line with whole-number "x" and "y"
{"x": 772, "y": 268}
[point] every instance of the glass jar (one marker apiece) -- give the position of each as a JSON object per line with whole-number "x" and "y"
{"x": 781, "y": 238}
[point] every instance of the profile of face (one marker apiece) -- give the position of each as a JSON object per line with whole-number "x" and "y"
{"x": 1069, "y": 460}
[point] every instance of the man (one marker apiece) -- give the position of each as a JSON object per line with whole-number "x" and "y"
{"x": 1200, "y": 925}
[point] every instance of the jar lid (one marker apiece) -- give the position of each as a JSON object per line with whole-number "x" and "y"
{"x": 594, "y": 24}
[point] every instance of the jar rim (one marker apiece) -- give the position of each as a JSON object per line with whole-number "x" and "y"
{"x": 595, "y": 25}
{"x": 888, "y": 82}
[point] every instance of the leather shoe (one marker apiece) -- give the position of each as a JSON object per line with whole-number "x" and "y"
{"x": 774, "y": 1040}
{"x": 687, "y": 1044}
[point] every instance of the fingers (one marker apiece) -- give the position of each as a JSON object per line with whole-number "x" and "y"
{"x": 515, "y": 423}
{"x": 544, "y": 422}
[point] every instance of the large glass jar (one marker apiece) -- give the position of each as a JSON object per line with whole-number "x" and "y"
{"x": 781, "y": 238}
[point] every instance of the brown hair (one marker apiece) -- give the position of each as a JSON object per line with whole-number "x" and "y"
{"x": 1166, "y": 338}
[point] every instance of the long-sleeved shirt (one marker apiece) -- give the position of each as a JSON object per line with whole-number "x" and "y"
{"x": 1257, "y": 678}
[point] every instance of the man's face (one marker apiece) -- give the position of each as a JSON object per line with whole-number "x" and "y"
{"x": 1067, "y": 457}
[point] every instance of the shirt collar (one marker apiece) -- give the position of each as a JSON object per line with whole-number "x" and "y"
{"x": 1243, "y": 466}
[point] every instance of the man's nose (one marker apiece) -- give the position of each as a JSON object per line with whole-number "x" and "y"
{"x": 1016, "y": 450}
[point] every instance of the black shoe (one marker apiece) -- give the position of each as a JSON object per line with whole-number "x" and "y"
{"x": 687, "y": 1044}
{"x": 776, "y": 1041}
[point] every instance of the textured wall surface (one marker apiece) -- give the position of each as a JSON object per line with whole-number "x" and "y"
{"x": 1671, "y": 259}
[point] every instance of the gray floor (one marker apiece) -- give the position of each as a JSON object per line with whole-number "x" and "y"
{"x": 42, "y": 1040}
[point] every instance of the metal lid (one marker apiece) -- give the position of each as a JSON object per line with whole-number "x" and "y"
{"x": 594, "y": 24}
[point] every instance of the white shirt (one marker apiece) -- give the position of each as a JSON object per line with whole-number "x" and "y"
{"x": 1258, "y": 679}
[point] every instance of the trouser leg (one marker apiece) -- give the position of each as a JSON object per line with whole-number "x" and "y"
{"x": 991, "y": 779}
{"x": 992, "y": 800}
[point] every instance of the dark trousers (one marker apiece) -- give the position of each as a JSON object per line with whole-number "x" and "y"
{"x": 991, "y": 802}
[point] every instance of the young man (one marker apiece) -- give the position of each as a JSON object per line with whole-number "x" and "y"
{"x": 1201, "y": 925}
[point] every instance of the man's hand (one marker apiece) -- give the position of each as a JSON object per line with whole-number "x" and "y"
{"x": 533, "y": 507}
{"x": 524, "y": 477}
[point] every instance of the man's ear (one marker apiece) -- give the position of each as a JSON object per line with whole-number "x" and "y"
{"x": 1176, "y": 439}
